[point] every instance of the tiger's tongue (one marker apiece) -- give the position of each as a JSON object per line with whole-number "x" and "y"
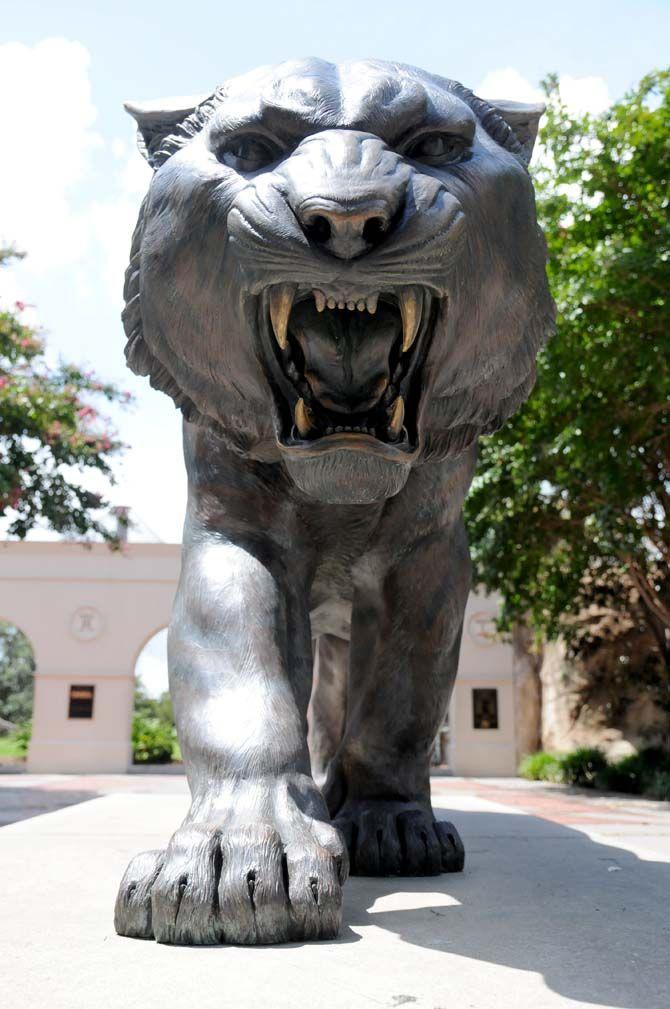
{"x": 348, "y": 356}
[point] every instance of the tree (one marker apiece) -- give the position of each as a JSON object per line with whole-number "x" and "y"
{"x": 17, "y": 667}
{"x": 571, "y": 503}
{"x": 50, "y": 431}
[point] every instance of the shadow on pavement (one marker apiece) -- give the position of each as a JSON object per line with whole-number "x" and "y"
{"x": 23, "y": 803}
{"x": 593, "y": 919}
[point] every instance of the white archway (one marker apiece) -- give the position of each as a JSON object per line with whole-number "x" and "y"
{"x": 87, "y": 611}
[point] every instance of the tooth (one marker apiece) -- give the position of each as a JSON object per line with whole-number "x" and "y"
{"x": 396, "y": 416}
{"x": 331, "y": 303}
{"x": 360, "y": 305}
{"x": 320, "y": 299}
{"x": 281, "y": 300}
{"x": 371, "y": 303}
{"x": 410, "y": 310}
{"x": 303, "y": 418}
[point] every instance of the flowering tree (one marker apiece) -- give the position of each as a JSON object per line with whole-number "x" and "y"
{"x": 50, "y": 434}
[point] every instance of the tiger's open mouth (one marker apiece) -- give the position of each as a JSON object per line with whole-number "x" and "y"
{"x": 349, "y": 364}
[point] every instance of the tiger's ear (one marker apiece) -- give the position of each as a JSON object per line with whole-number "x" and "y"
{"x": 524, "y": 119}
{"x": 158, "y": 119}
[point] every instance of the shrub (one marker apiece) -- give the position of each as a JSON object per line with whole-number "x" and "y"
{"x": 643, "y": 773}
{"x": 540, "y": 766}
{"x": 659, "y": 786}
{"x": 636, "y": 773}
{"x": 22, "y": 737}
{"x": 584, "y": 766}
{"x": 153, "y": 740}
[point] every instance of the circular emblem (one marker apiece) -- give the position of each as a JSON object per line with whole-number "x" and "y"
{"x": 86, "y": 623}
{"x": 482, "y": 629}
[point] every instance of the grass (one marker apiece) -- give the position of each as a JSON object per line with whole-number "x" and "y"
{"x": 12, "y": 747}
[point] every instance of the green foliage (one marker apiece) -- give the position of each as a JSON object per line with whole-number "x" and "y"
{"x": 17, "y": 667}
{"x": 659, "y": 787}
{"x": 154, "y": 735}
{"x": 15, "y": 744}
{"x": 153, "y": 707}
{"x": 583, "y": 767}
{"x": 22, "y": 737}
{"x": 644, "y": 773}
{"x": 9, "y": 748}
{"x": 637, "y": 772}
{"x": 49, "y": 430}
{"x": 153, "y": 740}
{"x": 578, "y": 483}
{"x": 540, "y": 766}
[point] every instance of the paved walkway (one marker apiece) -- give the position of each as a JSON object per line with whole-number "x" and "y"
{"x": 565, "y": 902}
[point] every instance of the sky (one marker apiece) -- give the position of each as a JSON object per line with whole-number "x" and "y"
{"x": 71, "y": 179}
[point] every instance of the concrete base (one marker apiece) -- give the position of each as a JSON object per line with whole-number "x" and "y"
{"x": 545, "y": 915}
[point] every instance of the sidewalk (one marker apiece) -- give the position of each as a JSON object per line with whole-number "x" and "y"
{"x": 564, "y": 902}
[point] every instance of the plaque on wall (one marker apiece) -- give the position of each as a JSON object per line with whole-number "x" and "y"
{"x": 86, "y": 623}
{"x": 482, "y": 629}
{"x": 81, "y": 701}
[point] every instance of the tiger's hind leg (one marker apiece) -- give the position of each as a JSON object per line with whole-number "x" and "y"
{"x": 327, "y": 706}
{"x": 405, "y": 640}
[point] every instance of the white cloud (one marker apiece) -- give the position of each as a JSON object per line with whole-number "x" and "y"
{"x": 585, "y": 94}
{"x": 48, "y": 114}
{"x": 580, "y": 94}
{"x": 47, "y": 119}
{"x": 508, "y": 83}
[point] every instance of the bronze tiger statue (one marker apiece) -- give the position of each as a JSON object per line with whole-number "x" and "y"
{"x": 338, "y": 276}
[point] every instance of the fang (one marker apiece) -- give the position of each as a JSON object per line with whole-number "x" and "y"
{"x": 281, "y": 302}
{"x": 303, "y": 418}
{"x": 396, "y": 416}
{"x": 410, "y": 310}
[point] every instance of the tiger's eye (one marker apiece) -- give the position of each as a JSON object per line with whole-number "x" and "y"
{"x": 249, "y": 152}
{"x": 437, "y": 148}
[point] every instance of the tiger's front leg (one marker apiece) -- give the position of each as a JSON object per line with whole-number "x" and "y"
{"x": 256, "y": 860}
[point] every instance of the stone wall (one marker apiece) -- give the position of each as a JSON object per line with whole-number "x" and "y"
{"x": 641, "y": 724}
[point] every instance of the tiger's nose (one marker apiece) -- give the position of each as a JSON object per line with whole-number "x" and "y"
{"x": 345, "y": 232}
